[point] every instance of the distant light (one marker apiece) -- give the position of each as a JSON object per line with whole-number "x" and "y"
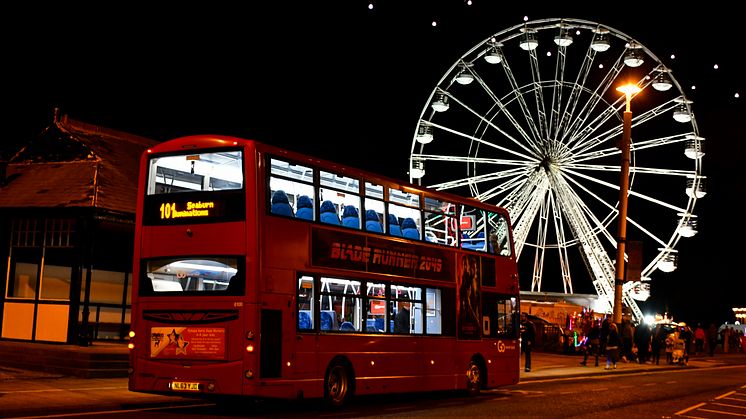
{"x": 434, "y": 23}
{"x": 600, "y": 66}
{"x": 549, "y": 53}
{"x": 577, "y": 32}
{"x": 716, "y": 66}
{"x": 525, "y": 18}
{"x": 370, "y": 6}
{"x": 736, "y": 95}
{"x": 673, "y": 56}
{"x": 468, "y": 2}
{"x": 694, "y": 87}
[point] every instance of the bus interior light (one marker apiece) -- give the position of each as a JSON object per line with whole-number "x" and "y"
{"x": 130, "y": 346}
{"x": 250, "y": 348}
{"x": 131, "y": 334}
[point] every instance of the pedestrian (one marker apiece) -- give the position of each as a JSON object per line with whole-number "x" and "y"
{"x": 528, "y": 336}
{"x": 657, "y": 341}
{"x": 613, "y": 344}
{"x": 627, "y": 334}
{"x": 685, "y": 333}
{"x": 642, "y": 341}
{"x": 604, "y": 335}
{"x": 592, "y": 343}
{"x": 699, "y": 340}
{"x": 712, "y": 338}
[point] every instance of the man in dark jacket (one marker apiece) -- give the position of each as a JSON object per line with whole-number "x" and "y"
{"x": 528, "y": 337}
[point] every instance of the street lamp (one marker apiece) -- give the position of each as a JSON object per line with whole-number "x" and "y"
{"x": 628, "y": 90}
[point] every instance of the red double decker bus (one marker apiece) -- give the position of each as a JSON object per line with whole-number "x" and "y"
{"x": 266, "y": 273}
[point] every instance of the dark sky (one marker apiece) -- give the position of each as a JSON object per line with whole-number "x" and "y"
{"x": 348, "y": 84}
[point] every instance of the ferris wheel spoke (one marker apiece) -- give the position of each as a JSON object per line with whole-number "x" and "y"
{"x": 504, "y": 110}
{"x": 491, "y": 144}
{"x": 541, "y": 241}
{"x": 578, "y": 129}
{"x": 631, "y": 192}
{"x": 488, "y": 177}
{"x": 577, "y": 88}
{"x": 522, "y": 101}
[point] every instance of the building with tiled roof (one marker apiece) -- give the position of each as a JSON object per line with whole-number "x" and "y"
{"x": 67, "y": 200}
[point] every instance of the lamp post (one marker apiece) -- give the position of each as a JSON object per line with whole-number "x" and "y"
{"x": 628, "y": 90}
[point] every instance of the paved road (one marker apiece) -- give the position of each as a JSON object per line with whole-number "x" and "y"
{"x": 28, "y": 392}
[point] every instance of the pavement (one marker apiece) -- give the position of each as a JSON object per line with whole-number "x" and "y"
{"x": 546, "y": 365}
{"x": 24, "y": 392}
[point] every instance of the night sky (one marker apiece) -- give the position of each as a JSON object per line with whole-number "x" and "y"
{"x": 347, "y": 83}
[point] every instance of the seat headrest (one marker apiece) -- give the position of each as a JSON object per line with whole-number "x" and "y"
{"x": 304, "y": 201}
{"x": 349, "y": 211}
{"x": 328, "y": 206}
{"x": 280, "y": 197}
{"x": 393, "y": 220}
{"x": 408, "y": 223}
{"x": 371, "y": 215}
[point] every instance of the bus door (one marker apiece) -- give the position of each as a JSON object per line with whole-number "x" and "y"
{"x": 276, "y": 339}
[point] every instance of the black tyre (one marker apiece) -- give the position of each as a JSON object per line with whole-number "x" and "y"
{"x": 338, "y": 385}
{"x": 474, "y": 377}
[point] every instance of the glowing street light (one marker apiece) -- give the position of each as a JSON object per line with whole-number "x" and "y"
{"x": 629, "y": 90}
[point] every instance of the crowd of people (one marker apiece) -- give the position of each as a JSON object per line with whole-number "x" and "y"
{"x": 600, "y": 339}
{"x": 646, "y": 343}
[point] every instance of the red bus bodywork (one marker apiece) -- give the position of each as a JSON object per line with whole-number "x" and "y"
{"x": 249, "y": 344}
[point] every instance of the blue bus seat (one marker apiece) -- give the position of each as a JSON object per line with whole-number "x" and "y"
{"x": 394, "y": 228}
{"x": 305, "y": 321}
{"x": 281, "y": 204}
{"x": 327, "y": 320}
{"x": 409, "y": 229}
{"x": 379, "y": 324}
{"x": 347, "y": 327}
{"x": 372, "y": 222}
{"x": 329, "y": 213}
{"x": 305, "y": 208}
{"x": 350, "y": 217}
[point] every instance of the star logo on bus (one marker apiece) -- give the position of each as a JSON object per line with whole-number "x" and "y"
{"x": 181, "y": 345}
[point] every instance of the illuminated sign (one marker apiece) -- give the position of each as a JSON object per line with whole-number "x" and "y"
{"x": 170, "y": 210}
{"x": 194, "y": 207}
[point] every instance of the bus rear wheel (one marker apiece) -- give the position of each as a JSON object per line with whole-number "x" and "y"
{"x": 338, "y": 386}
{"x": 474, "y": 377}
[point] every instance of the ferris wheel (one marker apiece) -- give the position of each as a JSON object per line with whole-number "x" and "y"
{"x": 529, "y": 119}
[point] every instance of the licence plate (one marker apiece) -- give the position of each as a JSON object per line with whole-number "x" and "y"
{"x": 184, "y": 386}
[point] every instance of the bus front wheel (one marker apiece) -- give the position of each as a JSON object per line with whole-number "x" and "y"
{"x": 474, "y": 377}
{"x": 338, "y": 386}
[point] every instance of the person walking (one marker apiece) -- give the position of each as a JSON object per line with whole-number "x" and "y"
{"x": 604, "y": 335}
{"x": 593, "y": 343}
{"x": 642, "y": 341}
{"x": 627, "y": 334}
{"x": 656, "y": 343}
{"x": 712, "y": 338}
{"x": 528, "y": 337}
{"x": 613, "y": 344}
{"x": 699, "y": 340}
{"x": 685, "y": 333}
